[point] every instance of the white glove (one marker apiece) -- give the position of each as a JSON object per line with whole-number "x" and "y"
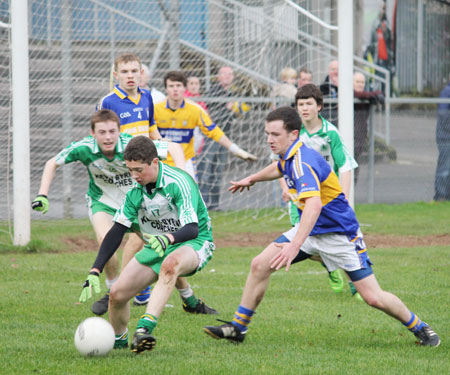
{"x": 240, "y": 153}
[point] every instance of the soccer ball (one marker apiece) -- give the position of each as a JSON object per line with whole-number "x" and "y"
{"x": 94, "y": 337}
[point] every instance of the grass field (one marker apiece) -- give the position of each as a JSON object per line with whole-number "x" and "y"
{"x": 301, "y": 327}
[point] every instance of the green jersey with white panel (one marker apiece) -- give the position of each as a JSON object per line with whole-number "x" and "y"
{"x": 328, "y": 142}
{"x": 174, "y": 202}
{"x": 109, "y": 179}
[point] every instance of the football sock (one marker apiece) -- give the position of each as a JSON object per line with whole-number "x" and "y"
{"x": 186, "y": 293}
{"x": 191, "y": 301}
{"x": 148, "y": 321}
{"x": 109, "y": 283}
{"x": 352, "y": 288}
{"x": 121, "y": 340}
{"x": 242, "y": 318}
{"x": 414, "y": 324}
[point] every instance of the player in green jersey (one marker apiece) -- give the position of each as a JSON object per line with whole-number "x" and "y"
{"x": 109, "y": 181}
{"x": 174, "y": 220}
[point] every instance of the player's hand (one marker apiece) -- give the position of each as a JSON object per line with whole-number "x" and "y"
{"x": 241, "y": 185}
{"x": 284, "y": 257}
{"x": 159, "y": 243}
{"x": 92, "y": 282}
{"x": 240, "y": 153}
{"x": 40, "y": 203}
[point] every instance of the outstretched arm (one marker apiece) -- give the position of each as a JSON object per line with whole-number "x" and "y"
{"x": 270, "y": 172}
{"x": 177, "y": 153}
{"x": 235, "y": 149}
{"x": 40, "y": 203}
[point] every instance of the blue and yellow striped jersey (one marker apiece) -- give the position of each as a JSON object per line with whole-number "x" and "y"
{"x": 179, "y": 125}
{"x": 136, "y": 116}
{"x": 307, "y": 174}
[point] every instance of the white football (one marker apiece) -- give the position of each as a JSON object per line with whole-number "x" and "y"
{"x": 94, "y": 337}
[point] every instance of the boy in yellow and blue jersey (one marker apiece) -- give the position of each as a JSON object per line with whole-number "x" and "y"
{"x": 328, "y": 228}
{"x": 177, "y": 118}
{"x": 133, "y": 105}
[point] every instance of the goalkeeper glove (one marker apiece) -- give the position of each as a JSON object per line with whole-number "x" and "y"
{"x": 157, "y": 243}
{"x": 92, "y": 282}
{"x": 40, "y": 203}
{"x": 240, "y": 153}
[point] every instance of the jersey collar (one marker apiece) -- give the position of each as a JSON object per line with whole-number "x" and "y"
{"x": 292, "y": 150}
{"x": 181, "y": 106}
{"x": 123, "y": 95}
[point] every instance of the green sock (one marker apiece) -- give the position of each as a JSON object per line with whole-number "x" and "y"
{"x": 147, "y": 321}
{"x": 352, "y": 288}
{"x": 121, "y": 340}
{"x": 191, "y": 301}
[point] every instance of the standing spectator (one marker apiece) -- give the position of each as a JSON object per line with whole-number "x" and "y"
{"x": 211, "y": 165}
{"x": 286, "y": 89}
{"x": 442, "y": 179}
{"x": 192, "y": 91}
{"x": 362, "y": 111}
{"x": 304, "y": 77}
{"x": 329, "y": 89}
{"x": 380, "y": 50}
{"x": 157, "y": 95}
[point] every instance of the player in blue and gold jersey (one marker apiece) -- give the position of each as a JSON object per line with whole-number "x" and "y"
{"x": 133, "y": 105}
{"x": 328, "y": 228}
{"x": 178, "y": 117}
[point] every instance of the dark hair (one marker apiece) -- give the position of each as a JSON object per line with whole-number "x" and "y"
{"x": 288, "y": 115}
{"x": 304, "y": 69}
{"x": 104, "y": 115}
{"x": 176, "y": 77}
{"x": 141, "y": 148}
{"x": 309, "y": 91}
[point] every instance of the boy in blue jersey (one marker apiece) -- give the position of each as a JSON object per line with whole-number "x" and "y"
{"x": 328, "y": 227}
{"x": 133, "y": 105}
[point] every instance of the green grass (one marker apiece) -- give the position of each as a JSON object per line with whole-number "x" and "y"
{"x": 300, "y": 327}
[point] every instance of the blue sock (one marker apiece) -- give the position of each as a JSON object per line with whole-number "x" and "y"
{"x": 414, "y": 324}
{"x": 242, "y": 318}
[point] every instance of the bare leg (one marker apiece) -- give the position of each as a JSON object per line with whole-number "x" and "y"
{"x": 133, "y": 245}
{"x": 370, "y": 291}
{"x": 258, "y": 278}
{"x": 133, "y": 278}
{"x": 182, "y": 261}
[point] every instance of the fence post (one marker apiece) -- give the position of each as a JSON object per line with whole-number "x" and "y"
{"x": 371, "y": 160}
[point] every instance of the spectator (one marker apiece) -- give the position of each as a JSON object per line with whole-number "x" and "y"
{"x": 210, "y": 168}
{"x": 329, "y": 89}
{"x": 304, "y": 77}
{"x": 442, "y": 179}
{"x": 380, "y": 50}
{"x": 157, "y": 95}
{"x": 286, "y": 89}
{"x": 362, "y": 111}
{"x": 193, "y": 90}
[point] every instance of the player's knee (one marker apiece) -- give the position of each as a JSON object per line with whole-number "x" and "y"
{"x": 116, "y": 297}
{"x": 372, "y": 299}
{"x": 169, "y": 268}
{"x": 259, "y": 265}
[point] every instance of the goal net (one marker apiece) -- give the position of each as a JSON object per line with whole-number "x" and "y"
{"x": 72, "y": 45}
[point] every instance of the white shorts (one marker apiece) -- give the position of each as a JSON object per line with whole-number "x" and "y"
{"x": 191, "y": 168}
{"x": 337, "y": 251}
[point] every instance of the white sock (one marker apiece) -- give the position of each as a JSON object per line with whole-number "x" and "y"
{"x": 186, "y": 293}
{"x": 109, "y": 283}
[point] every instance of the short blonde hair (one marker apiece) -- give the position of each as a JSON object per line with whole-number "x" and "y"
{"x": 125, "y": 59}
{"x": 287, "y": 73}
